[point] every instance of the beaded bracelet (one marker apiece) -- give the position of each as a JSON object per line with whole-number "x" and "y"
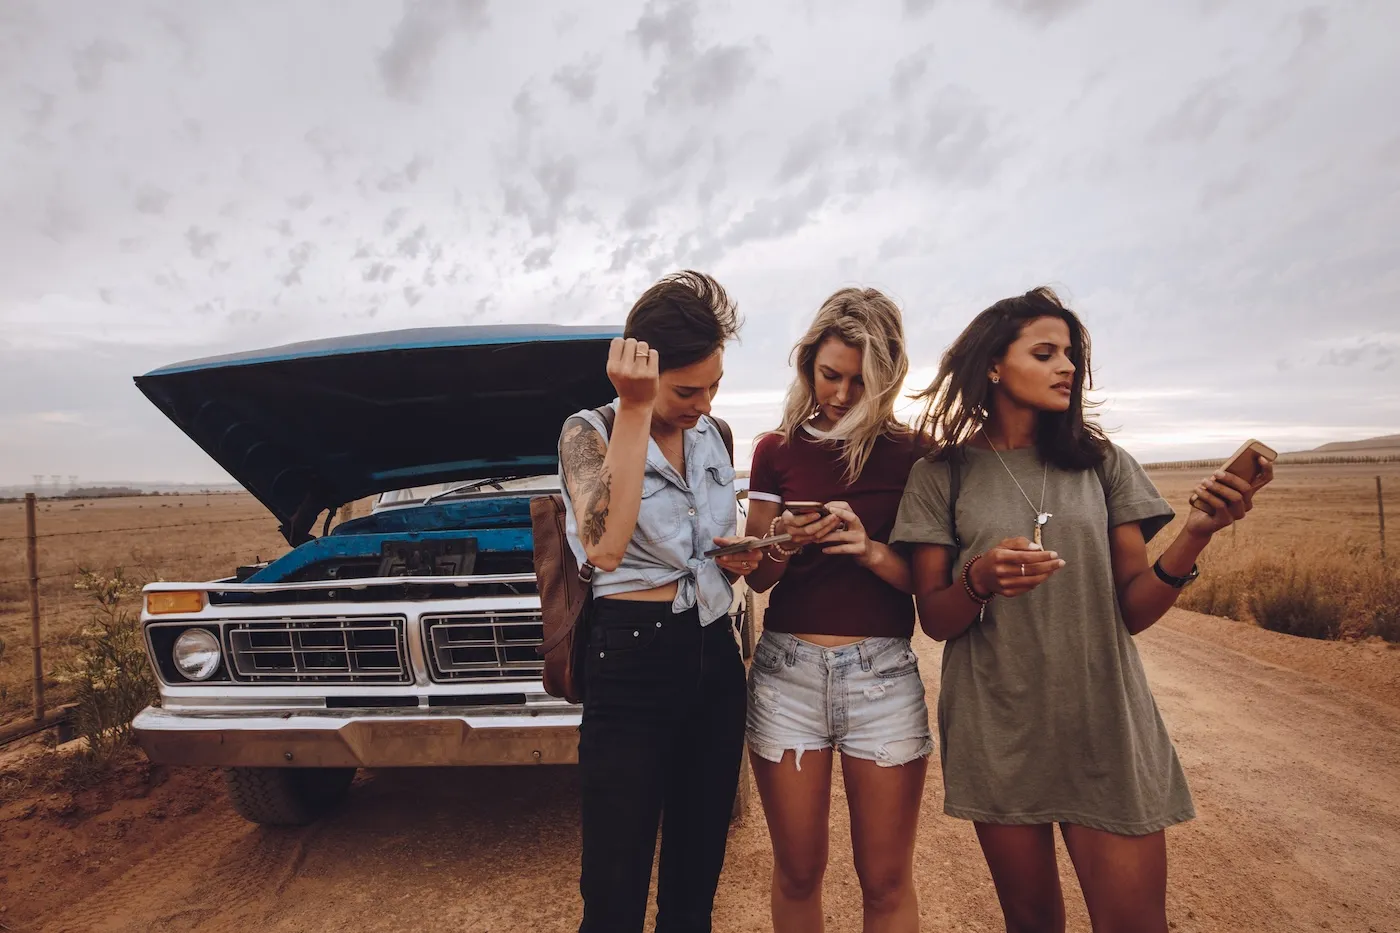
{"x": 967, "y": 583}
{"x": 772, "y": 531}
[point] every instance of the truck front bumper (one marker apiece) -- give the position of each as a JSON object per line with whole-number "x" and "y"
{"x": 378, "y": 738}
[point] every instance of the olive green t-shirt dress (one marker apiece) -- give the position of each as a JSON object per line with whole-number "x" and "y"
{"x": 1044, "y": 713}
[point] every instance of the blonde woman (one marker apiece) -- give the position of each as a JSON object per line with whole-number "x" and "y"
{"x": 833, "y": 670}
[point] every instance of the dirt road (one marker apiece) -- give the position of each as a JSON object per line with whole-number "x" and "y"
{"x": 1296, "y": 776}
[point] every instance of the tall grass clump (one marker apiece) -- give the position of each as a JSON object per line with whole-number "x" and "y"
{"x": 1383, "y": 606}
{"x": 109, "y": 675}
{"x": 1215, "y": 593}
{"x": 1289, "y": 600}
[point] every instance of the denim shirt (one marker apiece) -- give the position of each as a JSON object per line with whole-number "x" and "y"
{"x": 677, "y": 522}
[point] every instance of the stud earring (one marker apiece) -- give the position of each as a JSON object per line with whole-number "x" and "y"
{"x": 995, "y": 379}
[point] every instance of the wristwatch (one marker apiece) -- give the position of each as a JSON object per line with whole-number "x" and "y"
{"x": 1176, "y": 582}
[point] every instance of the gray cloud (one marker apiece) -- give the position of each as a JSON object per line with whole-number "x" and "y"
{"x": 954, "y": 142}
{"x": 406, "y": 64}
{"x": 1198, "y": 116}
{"x": 410, "y": 246}
{"x": 909, "y": 71}
{"x": 152, "y": 200}
{"x": 689, "y": 75}
{"x": 918, "y": 7}
{"x": 200, "y": 242}
{"x": 555, "y": 180}
{"x": 1042, "y": 11}
{"x": 538, "y": 259}
{"x": 90, "y": 63}
{"x": 579, "y": 82}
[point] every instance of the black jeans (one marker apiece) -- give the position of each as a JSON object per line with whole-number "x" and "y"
{"x": 662, "y": 735}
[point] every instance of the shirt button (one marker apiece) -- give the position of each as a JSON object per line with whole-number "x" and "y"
{"x": 690, "y": 511}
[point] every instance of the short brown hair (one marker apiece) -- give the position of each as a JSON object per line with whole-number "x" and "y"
{"x": 685, "y": 317}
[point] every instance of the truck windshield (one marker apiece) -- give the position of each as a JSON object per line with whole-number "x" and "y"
{"x": 416, "y": 495}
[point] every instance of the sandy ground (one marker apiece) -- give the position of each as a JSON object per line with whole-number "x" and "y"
{"x": 1295, "y": 766}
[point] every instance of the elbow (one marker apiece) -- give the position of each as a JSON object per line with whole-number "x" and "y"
{"x": 605, "y": 561}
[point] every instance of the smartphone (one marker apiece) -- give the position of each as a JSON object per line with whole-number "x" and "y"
{"x": 743, "y": 546}
{"x": 1244, "y": 463}
{"x": 807, "y": 508}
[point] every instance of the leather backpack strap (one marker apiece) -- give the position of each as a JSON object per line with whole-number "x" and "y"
{"x": 726, "y": 434}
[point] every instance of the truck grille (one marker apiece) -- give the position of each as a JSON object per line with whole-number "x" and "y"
{"x": 484, "y": 646}
{"x": 338, "y": 650}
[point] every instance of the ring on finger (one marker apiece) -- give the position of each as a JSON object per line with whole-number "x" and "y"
{"x": 1023, "y": 570}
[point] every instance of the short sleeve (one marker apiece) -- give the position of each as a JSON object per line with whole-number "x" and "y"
{"x": 1132, "y": 496}
{"x": 923, "y": 509}
{"x": 765, "y": 480}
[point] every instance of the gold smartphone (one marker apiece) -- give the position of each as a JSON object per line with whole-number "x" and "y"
{"x": 807, "y": 508}
{"x": 1244, "y": 463}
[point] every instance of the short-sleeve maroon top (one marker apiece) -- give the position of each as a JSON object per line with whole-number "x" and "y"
{"x": 830, "y": 594}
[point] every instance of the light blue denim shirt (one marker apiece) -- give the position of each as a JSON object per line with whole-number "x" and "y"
{"x": 677, "y": 522}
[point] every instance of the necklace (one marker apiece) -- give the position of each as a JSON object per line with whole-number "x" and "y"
{"x": 679, "y": 454}
{"x": 1041, "y": 516}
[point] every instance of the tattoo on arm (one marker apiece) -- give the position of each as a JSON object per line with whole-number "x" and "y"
{"x": 583, "y": 454}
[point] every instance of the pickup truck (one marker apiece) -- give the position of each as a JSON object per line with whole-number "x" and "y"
{"x": 404, "y": 637}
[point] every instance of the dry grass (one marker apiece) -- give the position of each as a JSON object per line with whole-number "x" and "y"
{"x": 1310, "y": 545}
{"x": 1307, "y": 561}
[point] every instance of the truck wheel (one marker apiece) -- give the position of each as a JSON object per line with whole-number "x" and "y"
{"x": 286, "y": 796}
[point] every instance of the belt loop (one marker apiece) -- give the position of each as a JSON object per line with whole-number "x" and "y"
{"x": 790, "y": 652}
{"x": 865, "y": 662}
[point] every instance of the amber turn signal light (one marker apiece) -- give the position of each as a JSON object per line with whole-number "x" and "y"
{"x": 160, "y": 603}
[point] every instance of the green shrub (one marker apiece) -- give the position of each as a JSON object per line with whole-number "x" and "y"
{"x": 111, "y": 679}
{"x": 1285, "y": 600}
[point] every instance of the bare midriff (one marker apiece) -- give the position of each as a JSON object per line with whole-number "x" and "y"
{"x": 831, "y": 641}
{"x": 658, "y": 594}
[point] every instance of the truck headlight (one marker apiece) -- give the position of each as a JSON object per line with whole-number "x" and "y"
{"x": 197, "y": 654}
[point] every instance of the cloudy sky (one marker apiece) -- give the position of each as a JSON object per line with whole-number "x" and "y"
{"x": 1214, "y": 184}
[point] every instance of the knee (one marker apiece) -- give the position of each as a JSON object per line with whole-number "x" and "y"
{"x": 885, "y": 892}
{"x": 1027, "y": 915}
{"x": 799, "y": 881}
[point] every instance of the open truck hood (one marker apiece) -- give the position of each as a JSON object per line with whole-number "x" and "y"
{"x": 310, "y": 426}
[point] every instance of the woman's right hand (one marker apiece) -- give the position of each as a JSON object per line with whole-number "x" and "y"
{"x": 807, "y": 527}
{"x": 634, "y": 370}
{"x": 1014, "y": 567}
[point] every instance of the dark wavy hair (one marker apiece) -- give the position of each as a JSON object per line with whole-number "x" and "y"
{"x": 685, "y": 317}
{"x": 956, "y": 403}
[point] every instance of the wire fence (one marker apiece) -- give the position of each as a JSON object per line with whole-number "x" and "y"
{"x": 102, "y": 542}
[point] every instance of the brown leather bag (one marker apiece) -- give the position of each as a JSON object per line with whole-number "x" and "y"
{"x": 566, "y": 589}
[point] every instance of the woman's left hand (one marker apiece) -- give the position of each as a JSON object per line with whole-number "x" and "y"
{"x": 1229, "y": 496}
{"x": 743, "y": 563}
{"x": 850, "y": 539}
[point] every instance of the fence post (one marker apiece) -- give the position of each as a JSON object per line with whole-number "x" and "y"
{"x": 1380, "y": 511}
{"x": 32, "y": 553}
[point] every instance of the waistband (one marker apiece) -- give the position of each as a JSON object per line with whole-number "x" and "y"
{"x": 861, "y": 652}
{"x": 632, "y": 611}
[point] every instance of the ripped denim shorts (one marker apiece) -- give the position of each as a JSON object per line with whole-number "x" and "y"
{"x": 864, "y": 699}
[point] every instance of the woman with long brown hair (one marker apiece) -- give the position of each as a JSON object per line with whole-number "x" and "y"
{"x": 833, "y": 671}
{"x": 1029, "y": 532}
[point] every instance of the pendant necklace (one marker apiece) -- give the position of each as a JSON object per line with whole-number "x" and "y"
{"x": 1041, "y": 516}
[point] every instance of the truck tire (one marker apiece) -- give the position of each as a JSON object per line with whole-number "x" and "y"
{"x": 286, "y": 796}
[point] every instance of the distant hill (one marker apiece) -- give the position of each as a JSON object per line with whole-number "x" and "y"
{"x": 1389, "y": 442}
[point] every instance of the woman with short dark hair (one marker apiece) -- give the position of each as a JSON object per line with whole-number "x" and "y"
{"x": 664, "y": 690}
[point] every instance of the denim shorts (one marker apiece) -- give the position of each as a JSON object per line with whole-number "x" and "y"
{"x": 865, "y": 699}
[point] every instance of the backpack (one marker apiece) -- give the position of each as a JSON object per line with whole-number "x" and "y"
{"x": 566, "y": 589}
{"x": 956, "y": 460}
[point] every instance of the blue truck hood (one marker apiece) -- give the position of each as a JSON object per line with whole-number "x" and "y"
{"x": 310, "y": 426}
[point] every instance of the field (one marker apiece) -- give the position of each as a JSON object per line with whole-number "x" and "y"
{"x": 1318, "y": 519}
{"x": 1291, "y": 746}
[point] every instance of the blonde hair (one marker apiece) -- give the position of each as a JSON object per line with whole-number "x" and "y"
{"x": 865, "y": 320}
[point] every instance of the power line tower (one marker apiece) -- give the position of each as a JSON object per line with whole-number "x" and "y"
{"x": 38, "y": 483}
{"x": 72, "y": 481}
